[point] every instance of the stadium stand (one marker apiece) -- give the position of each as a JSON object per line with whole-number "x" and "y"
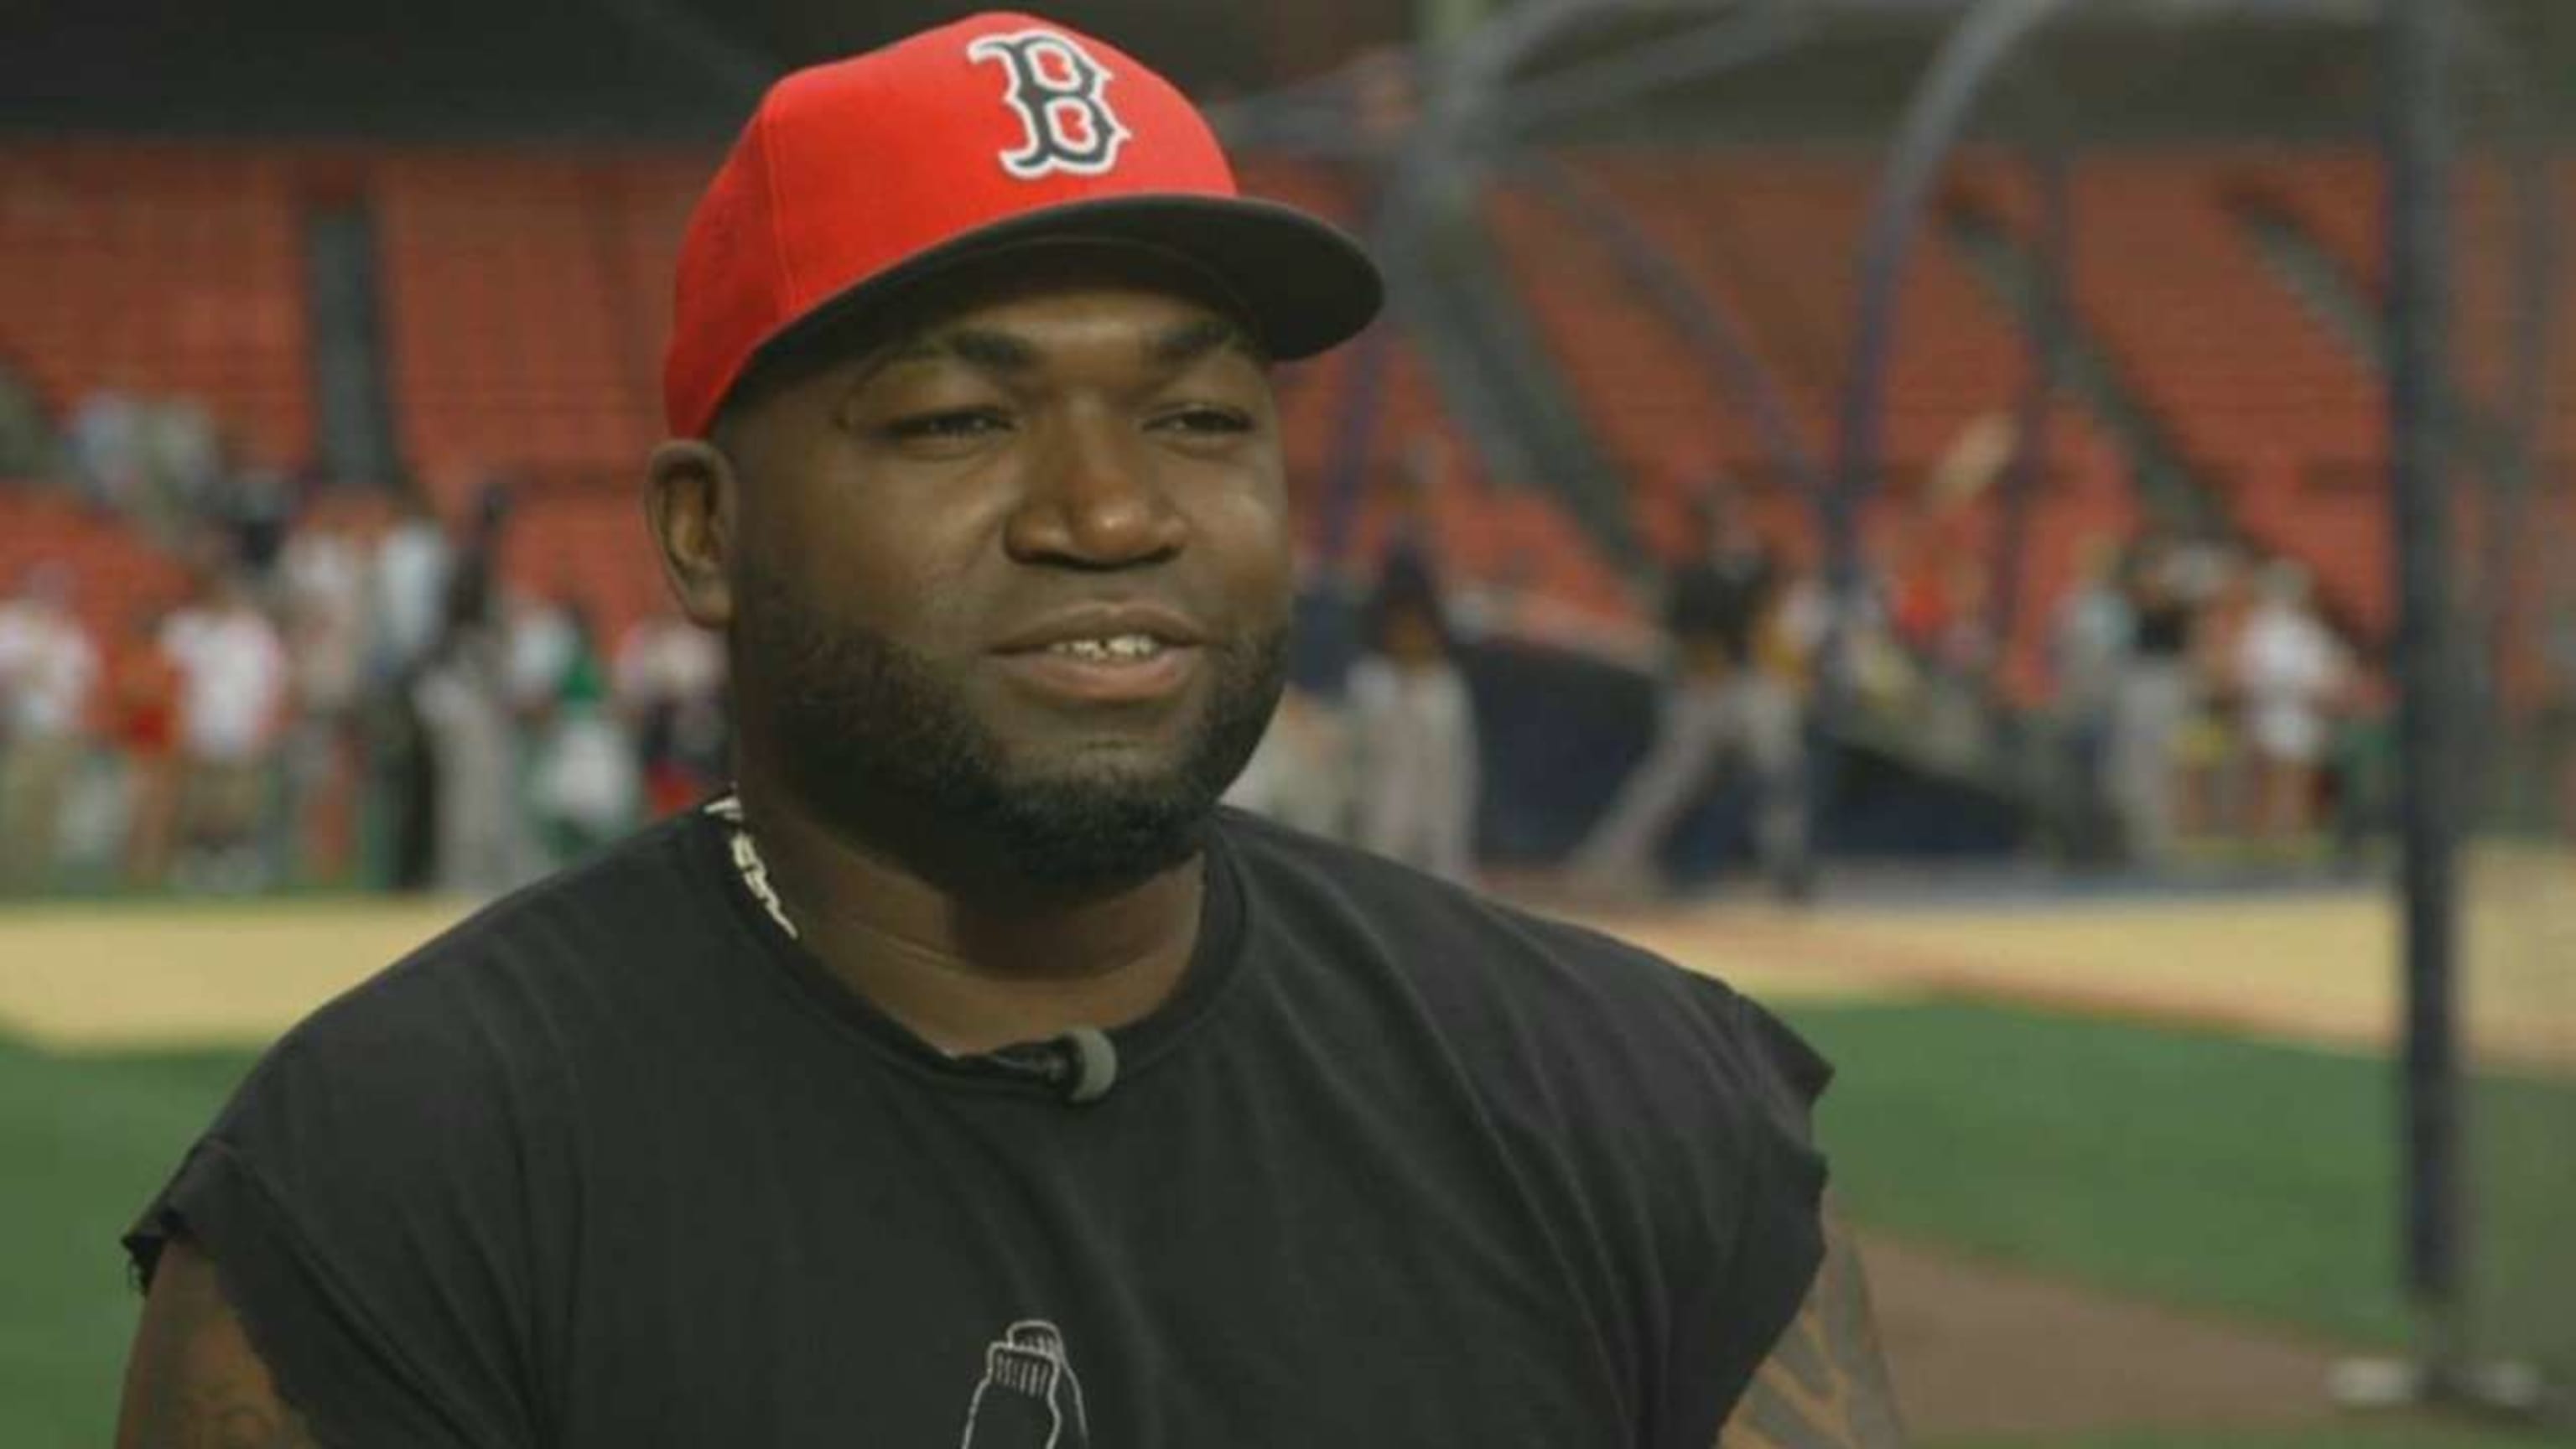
{"x": 513, "y": 345}
{"x": 1769, "y": 237}
{"x": 2281, "y": 419}
{"x": 2221, "y": 349}
{"x": 525, "y": 303}
{"x": 161, "y": 268}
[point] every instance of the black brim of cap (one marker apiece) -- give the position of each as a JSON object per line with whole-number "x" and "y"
{"x": 1304, "y": 284}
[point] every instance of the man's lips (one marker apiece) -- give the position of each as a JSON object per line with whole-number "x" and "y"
{"x": 1125, "y": 652}
{"x": 1091, "y": 678}
{"x": 1104, "y": 620}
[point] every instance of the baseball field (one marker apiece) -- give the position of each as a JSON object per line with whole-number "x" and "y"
{"x": 2127, "y": 1164}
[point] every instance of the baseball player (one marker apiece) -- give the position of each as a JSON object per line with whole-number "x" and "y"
{"x": 964, "y": 1075}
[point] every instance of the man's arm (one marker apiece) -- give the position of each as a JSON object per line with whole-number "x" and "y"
{"x": 192, "y": 1381}
{"x": 1825, "y": 1384}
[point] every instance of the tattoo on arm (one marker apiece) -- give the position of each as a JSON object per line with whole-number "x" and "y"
{"x": 1825, "y": 1384}
{"x": 193, "y": 1381}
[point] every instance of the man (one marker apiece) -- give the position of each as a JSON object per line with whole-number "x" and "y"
{"x": 1722, "y": 705}
{"x": 461, "y": 693}
{"x": 1413, "y": 731}
{"x": 414, "y": 565}
{"x": 2154, "y": 703}
{"x": 48, "y": 670}
{"x": 964, "y": 1077}
{"x": 233, "y": 684}
{"x": 2289, "y": 669}
{"x": 322, "y": 585}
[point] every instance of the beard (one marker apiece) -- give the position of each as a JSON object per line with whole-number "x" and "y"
{"x": 889, "y": 750}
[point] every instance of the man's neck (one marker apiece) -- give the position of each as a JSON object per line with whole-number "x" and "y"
{"x": 969, "y": 972}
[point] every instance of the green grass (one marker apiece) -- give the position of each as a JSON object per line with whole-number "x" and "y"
{"x": 2353, "y": 1436}
{"x": 2522, "y": 1194}
{"x": 87, "y": 1142}
{"x": 2252, "y": 1179}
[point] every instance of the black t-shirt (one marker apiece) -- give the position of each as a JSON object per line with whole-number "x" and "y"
{"x": 617, "y": 1165}
{"x": 1721, "y": 599}
{"x": 2163, "y": 630}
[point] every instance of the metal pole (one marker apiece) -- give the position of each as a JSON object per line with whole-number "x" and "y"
{"x": 2039, "y": 394}
{"x": 2419, "y": 140}
{"x": 1736, "y": 39}
{"x": 1941, "y": 107}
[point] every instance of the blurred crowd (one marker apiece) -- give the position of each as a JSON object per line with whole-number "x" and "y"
{"x": 368, "y": 703}
{"x": 2197, "y": 699}
{"x": 2200, "y": 693}
{"x": 335, "y": 703}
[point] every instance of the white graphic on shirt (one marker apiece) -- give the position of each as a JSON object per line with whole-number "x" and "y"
{"x": 1029, "y": 1398}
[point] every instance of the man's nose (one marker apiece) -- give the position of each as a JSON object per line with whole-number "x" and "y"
{"x": 1095, "y": 499}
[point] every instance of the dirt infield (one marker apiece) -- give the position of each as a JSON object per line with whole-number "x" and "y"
{"x": 2306, "y": 967}
{"x": 1986, "y": 1350}
{"x": 172, "y": 974}
{"x": 2317, "y": 968}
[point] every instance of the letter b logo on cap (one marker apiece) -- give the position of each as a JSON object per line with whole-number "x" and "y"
{"x": 1056, "y": 87}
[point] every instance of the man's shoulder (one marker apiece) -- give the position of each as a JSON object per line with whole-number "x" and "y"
{"x": 1584, "y": 1049}
{"x": 1463, "y": 950}
{"x": 575, "y": 944}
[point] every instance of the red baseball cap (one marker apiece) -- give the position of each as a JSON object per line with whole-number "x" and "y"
{"x": 856, "y": 179}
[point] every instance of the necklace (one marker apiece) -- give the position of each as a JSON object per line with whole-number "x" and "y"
{"x": 747, "y": 862}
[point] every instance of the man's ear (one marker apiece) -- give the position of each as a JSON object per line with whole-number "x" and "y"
{"x": 689, "y": 502}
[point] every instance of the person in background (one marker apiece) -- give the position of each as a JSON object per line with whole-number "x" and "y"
{"x": 1413, "y": 736}
{"x": 543, "y": 635}
{"x": 670, "y": 686}
{"x": 48, "y": 672}
{"x": 410, "y": 576}
{"x": 104, "y": 446}
{"x": 256, "y": 503}
{"x": 233, "y": 690}
{"x": 584, "y": 785}
{"x": 29, "y": 448}
{"x": 186, "y": 469}
{"x": 2153, "y": 704}
{"x": 1300, "y": 774}
{"x": 322, "y": 587}
{"x": 1720, "y": 706}
{"x": 2289, "y": 670}
{"x": 2089, "y": 640}
{"x": 2210, "y": 762}
{"x": 144, "y": 724}
{"x": 462, "y": 695}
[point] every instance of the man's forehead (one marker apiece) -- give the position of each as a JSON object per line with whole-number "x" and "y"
{"x": 1005, "y": 297}
{"x": 1071, "y": 307}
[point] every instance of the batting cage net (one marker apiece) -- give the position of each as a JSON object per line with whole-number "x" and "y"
{"x": 2513, "y": 474}
{"x": 2061, "y": 295}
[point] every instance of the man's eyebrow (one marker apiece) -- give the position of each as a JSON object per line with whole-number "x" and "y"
{"x": 1190, "y": 341}
{"x": 1005, "y": 352}
{"x": 975, "y": 346}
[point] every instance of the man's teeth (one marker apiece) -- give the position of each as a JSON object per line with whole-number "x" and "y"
{"x": 1118, "y": 646}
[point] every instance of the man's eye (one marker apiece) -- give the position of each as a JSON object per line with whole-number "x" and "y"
{"x": 1205, "y": 420}
{"x": 963, "y": 423}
